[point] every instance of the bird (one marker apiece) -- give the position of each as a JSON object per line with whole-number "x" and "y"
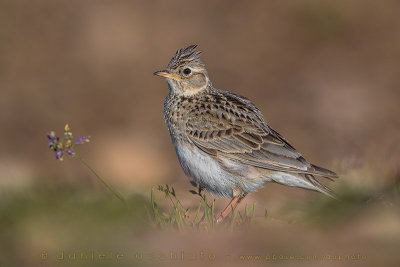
{"x": 222, "y": 140}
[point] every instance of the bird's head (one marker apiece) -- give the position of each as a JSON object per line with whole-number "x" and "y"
{"x": 186, "y": 74}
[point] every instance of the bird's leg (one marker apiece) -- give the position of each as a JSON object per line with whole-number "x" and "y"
{"x": 228, "y": 209}
{"x": 231, "y": 207}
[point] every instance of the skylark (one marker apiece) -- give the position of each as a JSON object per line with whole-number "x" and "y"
{"x": 222, "y": 141}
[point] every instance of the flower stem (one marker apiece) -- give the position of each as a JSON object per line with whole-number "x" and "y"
{"x": 115, "y": 192}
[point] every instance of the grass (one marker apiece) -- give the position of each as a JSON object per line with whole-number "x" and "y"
{"x": 54, "y": 216}
{"x": 177, "y": 216}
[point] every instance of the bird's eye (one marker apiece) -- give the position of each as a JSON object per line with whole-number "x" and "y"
{"x": 187, "y": 71}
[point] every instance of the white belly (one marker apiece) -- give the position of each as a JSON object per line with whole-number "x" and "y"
{"x": 206, "y": 171}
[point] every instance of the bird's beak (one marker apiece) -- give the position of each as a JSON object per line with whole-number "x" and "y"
{"x": 166, "y": 74}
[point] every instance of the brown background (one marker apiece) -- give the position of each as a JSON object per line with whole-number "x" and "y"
{"x": 325, "y": 74}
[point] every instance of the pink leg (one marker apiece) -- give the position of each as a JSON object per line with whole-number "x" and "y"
{"x": 232, "y": 204}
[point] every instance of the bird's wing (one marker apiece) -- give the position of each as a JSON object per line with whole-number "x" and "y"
{"x": 240, "y": 133}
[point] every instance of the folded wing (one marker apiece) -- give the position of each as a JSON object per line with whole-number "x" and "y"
{"x": 239, "y": 133}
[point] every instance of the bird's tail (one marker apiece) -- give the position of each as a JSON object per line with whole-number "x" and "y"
{"x": 323, "y": 172}
{"x": 320, "y": 187}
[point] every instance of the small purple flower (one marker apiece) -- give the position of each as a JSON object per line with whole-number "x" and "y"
{"x": 59, "y": 155}
{"x": 70, "y": 152}
{"x": 49, "y": 136}
{"x": 64, "y": 145}
{"x": 83, "y": 139}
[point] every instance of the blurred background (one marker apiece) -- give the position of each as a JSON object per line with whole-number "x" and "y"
{"x": 325, "y": 74}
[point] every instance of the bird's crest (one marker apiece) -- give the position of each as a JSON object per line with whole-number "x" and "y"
{"x": 184, "y": 56}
